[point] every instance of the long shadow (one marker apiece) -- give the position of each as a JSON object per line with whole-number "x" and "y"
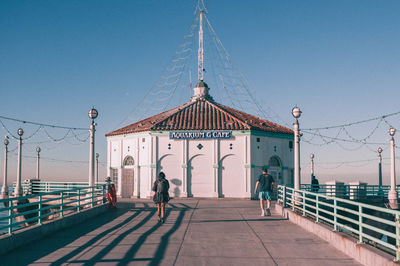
{"x": 237, "y": 220}
{"x": 48, "y": 245}
{"x": 185, "y": 205}
{"x": 132, "y": 251}
{"x": 117, "y": 240}
{"x": 160, "y": 252}
{"x": 94, "y": 240}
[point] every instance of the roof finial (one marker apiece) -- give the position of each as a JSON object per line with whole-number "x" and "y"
{"x": 201, "y": 50}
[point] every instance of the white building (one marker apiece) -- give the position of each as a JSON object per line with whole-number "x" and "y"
{"x": 205, "y": 149}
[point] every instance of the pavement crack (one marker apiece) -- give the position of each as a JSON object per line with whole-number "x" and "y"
{"x": 184, "y": 235}
{"x": 258, "y": 237}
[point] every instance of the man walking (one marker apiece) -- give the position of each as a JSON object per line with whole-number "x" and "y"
{"x": 265, "y": 182}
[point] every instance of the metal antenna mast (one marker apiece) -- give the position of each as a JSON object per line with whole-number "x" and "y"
{"x": 201, "y": 50}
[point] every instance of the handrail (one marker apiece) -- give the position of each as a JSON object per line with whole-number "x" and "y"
{"x": 33, "y": 209}
{"x": 368, "y": 223}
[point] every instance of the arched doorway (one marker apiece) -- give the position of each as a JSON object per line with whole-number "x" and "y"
{"x": 169, "y": 164}
{"x": 127, "y": 177}
{"x": 275, "y": 169}
{"x": 231, "y": 181}
{"x": 200, "y": 176}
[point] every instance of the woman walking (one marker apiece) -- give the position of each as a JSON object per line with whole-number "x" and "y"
{"x": 161, "y": 196}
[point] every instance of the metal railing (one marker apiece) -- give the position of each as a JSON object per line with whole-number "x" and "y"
{"x": 350, "y": 191}
{"x": 33, "y": 209}
{"x": 369, "y": 224}
{"x": 32, "y": 186}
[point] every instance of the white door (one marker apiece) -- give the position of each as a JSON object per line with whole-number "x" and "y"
{"x": 232, "y": 180}
{"x": 201, "y": 177}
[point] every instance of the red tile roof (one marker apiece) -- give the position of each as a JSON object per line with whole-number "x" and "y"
{"x": 202, "y": 115}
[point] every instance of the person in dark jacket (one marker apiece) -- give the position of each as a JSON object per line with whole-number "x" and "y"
{"x": 161, "y": 196}
{"x": 314, "y": 184}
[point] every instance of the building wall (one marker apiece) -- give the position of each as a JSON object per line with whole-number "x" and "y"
{"x": 200, "y": 168}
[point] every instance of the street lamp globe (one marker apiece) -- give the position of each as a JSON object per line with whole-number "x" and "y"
{"x": 93, "y": 113}
{"x": 6, "y": 142}
{"x": 392, "y": 131}
{"x": 20, "y": 132}
{"x": 312, "y": 156}
{"x": 380, "y": 150}
{"x": 38, "y": 149}
{"x": 97, "y": 156}
{"x": 296, "y": 112}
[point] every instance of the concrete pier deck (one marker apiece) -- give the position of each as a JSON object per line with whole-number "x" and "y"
{"x": 196, "y": 232}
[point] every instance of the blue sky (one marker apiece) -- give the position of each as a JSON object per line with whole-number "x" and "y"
{"x": 338, "y": 60}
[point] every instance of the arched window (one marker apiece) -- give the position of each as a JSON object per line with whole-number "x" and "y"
{"x": 274, "y": 161}
{"x": 128, "y": 160}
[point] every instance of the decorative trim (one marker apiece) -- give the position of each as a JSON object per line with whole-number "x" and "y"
{"x": 249, "y": 166}
{"x": 153, "y": 166}
{"x": 215, "y": 166}
{"x": 285, "y": 168}
{"x": 184, "y": 166}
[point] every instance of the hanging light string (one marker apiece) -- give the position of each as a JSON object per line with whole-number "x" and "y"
{"x": 383, "y": 117}
{"x": 41, "y": 124}
{"x": 43, "y": 127}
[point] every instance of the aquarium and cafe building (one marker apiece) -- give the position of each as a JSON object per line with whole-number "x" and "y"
{"x": 205, "y": 149}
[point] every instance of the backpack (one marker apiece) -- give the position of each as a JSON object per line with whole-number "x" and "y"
{"x": 162, "y": 186}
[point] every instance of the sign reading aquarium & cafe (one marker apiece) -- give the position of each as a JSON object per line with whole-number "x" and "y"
{"x": 200, "y": 134}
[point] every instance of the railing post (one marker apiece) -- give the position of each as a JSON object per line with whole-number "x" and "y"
{"x": 334, "y": 215}
{"x": 360, "y": 230}
{"x": 92, "y": 190}
{"x": 317, "y": 209}
{"x": 10, "y": 219}
{"x": 293, "y": 199}
{"x": 304, "y": 203}
{"x": 79, "y": 200}
{"x": 62, "y": 205}
{"x": 284, "y": 197}
{"x": 397, "y": 238}
{"x": 40, "y": 210}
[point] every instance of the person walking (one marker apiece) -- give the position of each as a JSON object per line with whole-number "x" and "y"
{"x": 265, "y": 182}
{"x": 161, "y": 196}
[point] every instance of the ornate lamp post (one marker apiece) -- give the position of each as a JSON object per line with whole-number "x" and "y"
{"x": 380, "y": 167}
{"x": 37, "y": 162}
{"x": 97, "y": 167}
{"x": 312, "y": 164}
{"x": 296, "y": 112}
{"x": 92, "y": 115}
{"x": 18, "y": 188}
{"x": 4, "y": 189}
{"x": 392, "y": 196}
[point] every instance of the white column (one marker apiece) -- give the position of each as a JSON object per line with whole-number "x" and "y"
{"x": 296, "y": 155}
{"x": 136, "y": 193}
{"x": 312, "y": 165}
{"x": 18, "y": 188}
{"x": 4, "y": 189}
{"x": 184, "y": 168}
{"x": 392, "y": 196}
{"x": 216, "y": 169}
{"x": 37, "y": 163}
{"x": 91, "y": 154}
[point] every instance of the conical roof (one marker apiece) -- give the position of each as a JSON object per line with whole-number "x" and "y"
{"x": 202, "y": 114}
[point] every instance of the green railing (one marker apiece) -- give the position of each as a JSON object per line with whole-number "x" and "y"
{"x": 369, "y": 224}
{"x": 350, "y": 191}
{"x": 33, "y": 186}
{"x": 33, "y": 209}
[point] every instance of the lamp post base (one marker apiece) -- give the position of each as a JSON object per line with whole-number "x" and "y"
{"x": 393, "y": 201}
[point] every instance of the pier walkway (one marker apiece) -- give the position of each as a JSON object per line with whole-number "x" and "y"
{"x": 196, "y": 232}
